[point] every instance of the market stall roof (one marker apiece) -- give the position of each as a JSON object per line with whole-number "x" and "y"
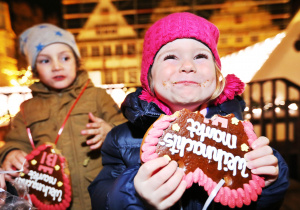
{"x": 275, "y": 57}
{"x": 284, "y": 61}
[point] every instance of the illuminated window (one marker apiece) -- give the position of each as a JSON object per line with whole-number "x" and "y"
{"x": 119, "y": 50}
{"x": 107, "y": 50}
{"x": 95, "y": 51}
{"x": 120, "y": 76}
{"x": 130, "y": 49}
{"x": 239, "y": 39}
{"x": 108, "y": 77}
{"x": 238, "y": 19}
{"x": 132, "y": 77}
{"x": 254, "y": 38}
{"x": 83, "y": 52}
{"x": 223, "y": 40}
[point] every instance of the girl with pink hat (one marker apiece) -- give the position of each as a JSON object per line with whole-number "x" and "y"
{"x": 180, "y": 69}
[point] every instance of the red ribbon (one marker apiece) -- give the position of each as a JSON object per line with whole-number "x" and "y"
{"x": 64, "y": 123}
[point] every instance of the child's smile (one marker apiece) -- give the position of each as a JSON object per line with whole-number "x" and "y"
{"x": 184, "y": 73}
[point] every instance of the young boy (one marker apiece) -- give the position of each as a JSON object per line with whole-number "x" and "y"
{"x": 55, "y": 59}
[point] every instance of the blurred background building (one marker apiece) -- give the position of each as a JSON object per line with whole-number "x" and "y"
{"x": 259, "y": 42}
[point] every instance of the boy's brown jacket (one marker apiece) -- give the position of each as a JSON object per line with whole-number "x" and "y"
{"x": 45, "y": 113}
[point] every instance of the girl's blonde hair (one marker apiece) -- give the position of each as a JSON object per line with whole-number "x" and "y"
{"x": 220, "y": 83}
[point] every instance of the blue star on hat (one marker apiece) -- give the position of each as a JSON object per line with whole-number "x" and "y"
{"x": 39, "y": 47}
{"x": 42, "y": 26}
{"x": 58, "y": 33}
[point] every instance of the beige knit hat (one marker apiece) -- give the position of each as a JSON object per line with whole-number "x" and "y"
{"x": 37, "y": 37}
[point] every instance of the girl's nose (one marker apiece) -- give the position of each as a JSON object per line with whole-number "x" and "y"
{"x": 56, "y": 65}
{"x": 188, "y": 67}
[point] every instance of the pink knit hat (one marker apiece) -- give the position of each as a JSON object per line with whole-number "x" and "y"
{"x": 167, "y": 29}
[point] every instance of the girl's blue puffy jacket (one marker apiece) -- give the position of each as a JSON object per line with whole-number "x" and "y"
{"x": 113, "y": 188}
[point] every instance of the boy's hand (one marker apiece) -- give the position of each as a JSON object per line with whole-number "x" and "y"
{"x": 14, "y": 161}
{"x": 97, "y": 128}
{"x": 261, "y": 160}
{"x": 159, "y": 183}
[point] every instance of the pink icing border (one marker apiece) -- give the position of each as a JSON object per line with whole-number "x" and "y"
{"x": 225, "y": 196}
{"x": 67, "y": 197}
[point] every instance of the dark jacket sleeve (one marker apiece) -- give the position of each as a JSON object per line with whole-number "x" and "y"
{"x": 124, "y": 192}
{"x": 121, "y": 190}
{"x": 235, "y": 106}
{"x": 112, "y": 167}
{"x": 113, "y": 187}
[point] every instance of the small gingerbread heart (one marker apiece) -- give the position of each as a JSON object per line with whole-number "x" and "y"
{"x": 48, "y": 178}
{"x": 208, "y": 150}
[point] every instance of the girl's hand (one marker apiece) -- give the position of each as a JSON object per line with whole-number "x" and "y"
{"x": 261, "y": 160}
{"x": 98, "y": 128}
{"x": 159, "y": 183}
{"x": 13, "y": 161}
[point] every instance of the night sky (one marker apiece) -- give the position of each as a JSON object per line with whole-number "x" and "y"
{"x": 36, "y": 11}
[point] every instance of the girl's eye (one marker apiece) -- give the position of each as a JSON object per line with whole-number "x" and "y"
{"x": 201, "y": 55}
{"x": 169, "y": 57}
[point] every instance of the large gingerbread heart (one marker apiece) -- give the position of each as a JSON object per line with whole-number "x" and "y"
{"x": 208, "y": 150}
{"x": 48, "y": 178}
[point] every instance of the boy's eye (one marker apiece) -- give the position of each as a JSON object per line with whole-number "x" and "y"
{"x": 65, "y": 58}
{"x": 43, "y": 61}
{"x": 201, "y": 55}
{"x": 169, "y": 57}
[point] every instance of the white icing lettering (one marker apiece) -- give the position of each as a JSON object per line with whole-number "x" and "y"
{"x": 242, "y": 166}
{"x": 179, "y": 144}
{"x": 34, "y": 184}
{"x": 219, "y": 136}
{"x": 211, "y": 133}
{"x": 40, "y": 176}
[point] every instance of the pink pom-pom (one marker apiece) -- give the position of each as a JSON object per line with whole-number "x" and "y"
{"x": 234, "y": 86}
